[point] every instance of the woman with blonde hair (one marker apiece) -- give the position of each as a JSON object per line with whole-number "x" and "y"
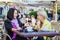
{"x": 44, "y": 24}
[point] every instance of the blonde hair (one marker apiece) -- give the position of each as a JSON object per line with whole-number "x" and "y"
{"x": 43, "y": 13}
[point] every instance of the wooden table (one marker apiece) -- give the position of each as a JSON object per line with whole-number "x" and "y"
{"x": 30, "y": 35}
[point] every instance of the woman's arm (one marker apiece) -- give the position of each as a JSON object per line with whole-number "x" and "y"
{"x": 8, "y": 26}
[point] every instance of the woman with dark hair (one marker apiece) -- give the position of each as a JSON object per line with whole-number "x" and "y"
{"x": 13, "y": 24}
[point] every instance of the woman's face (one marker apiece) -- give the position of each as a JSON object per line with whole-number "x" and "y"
{"x": 40, "y": 17}
{"x": 15, "y": 14}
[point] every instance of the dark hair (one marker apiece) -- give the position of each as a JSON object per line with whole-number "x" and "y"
{"x": 10, "y": 13}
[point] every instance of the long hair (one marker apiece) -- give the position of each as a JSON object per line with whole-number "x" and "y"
{"x": 10, "y": 13}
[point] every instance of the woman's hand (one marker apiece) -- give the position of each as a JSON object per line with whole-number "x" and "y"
{"x": 19, "y": 28}
{"x": 13, "y": 29}
{"x": 38, "y": 24}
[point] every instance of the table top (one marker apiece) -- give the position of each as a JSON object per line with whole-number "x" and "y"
{"x": 40, "y": 33}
